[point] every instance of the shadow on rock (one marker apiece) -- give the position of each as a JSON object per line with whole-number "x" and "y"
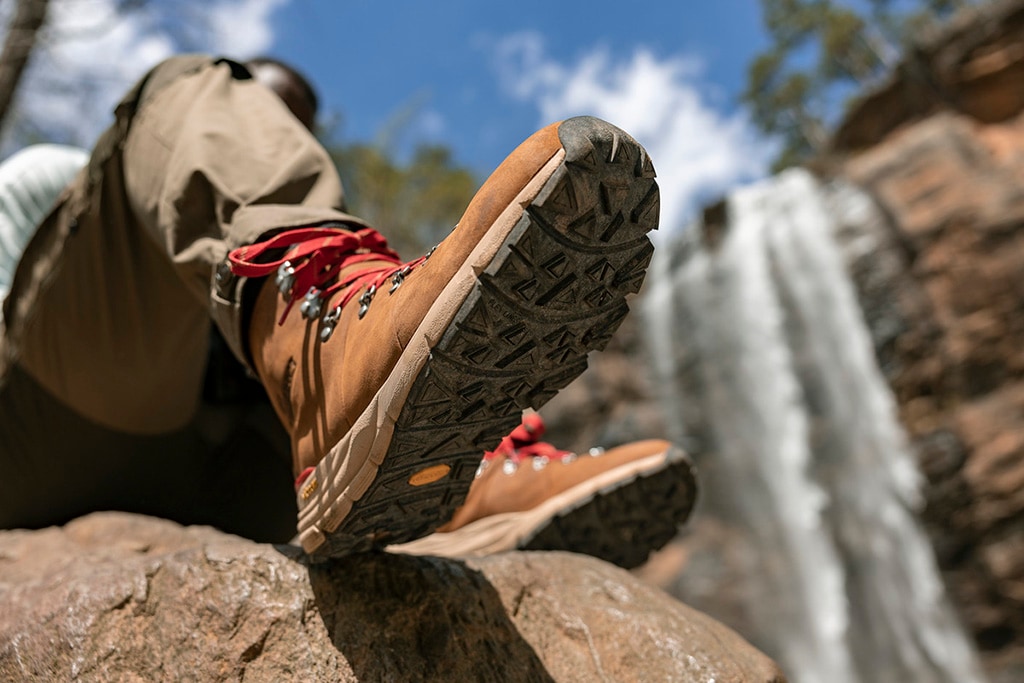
{"x": 432, "y": 619}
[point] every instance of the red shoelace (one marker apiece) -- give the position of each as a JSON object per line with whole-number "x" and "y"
{"x": 307, "y": 269}
{"x": 524, "y": 443}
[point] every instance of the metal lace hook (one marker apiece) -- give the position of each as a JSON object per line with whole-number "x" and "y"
{"x": 398, "y": 278}
{"x": 312, "y": 304}
{"x": 285, "y": 278}
{"x": 365, "y": 299}
{"x": 330, "y": 321}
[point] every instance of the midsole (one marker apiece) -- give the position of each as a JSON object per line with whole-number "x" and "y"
{"x": 350, "y": 467}
{"x": 507, "y": 531}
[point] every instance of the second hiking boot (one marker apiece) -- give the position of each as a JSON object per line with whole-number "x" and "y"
{"x": 392, "y": 378}
{"x": 619, "y": 504}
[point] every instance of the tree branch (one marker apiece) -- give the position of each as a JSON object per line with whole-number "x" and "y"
{"x": 29, "y": 17}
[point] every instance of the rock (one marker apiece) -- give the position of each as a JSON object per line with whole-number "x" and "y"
{"x": 972, "y": 66}
{"x": 114, "y": 596}
{"x": 950, "y": 185}
{"x": 940, "y": 148}
{"x": 939, "y": 279}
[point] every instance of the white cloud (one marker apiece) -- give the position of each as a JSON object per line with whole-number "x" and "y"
{"x": 242, "y": 28}
{"x": 91, "y": 54}
{"x": 698, "y": 152}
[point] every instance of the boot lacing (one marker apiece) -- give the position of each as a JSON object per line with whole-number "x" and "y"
{"x": 524, "y": 444}
{"x": 308, "y": 268}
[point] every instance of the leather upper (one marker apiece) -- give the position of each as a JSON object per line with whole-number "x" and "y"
{"x": 501, "y": 490}
{"x": 318, "y": 389}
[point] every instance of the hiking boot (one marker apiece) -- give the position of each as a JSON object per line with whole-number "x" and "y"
{"x": 618, "y": 505}
{"x": 393, "y": 377}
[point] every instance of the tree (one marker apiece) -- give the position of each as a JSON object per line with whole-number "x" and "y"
{"x": 22, "y": 33}
{"x": 78, "y": 57}
{"x": 414, "y": 204}
{"x": 822, "y": 52}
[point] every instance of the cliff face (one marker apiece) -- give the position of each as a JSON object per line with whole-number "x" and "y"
{"x": 941, "y": 149}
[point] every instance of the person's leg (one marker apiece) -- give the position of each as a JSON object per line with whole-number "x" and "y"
{"x": 107, "y": 343}
{"x": 224, "y": 468}
{"x": 117, "y": 317}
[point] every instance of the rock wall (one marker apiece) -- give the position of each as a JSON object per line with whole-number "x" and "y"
{"x": 947, "y": 311}
{"x": 940, "y": 146}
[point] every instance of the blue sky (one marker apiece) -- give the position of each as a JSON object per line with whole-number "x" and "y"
{"x": 477, "y": 76}
{"x": 444, "y": 57}
{"x": 482, "y": 76}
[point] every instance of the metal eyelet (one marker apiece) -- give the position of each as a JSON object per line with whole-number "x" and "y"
{"x": 540, "y": 462}
{"x": 595, "y": 452}
{"x": 311, "y": 305}
{"x": 509, "y": 467}
{"x": 285, "y": 278}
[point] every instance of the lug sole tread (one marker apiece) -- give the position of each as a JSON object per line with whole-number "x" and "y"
{"x": 626, "y": 522}
{"x": 554, "y": 291}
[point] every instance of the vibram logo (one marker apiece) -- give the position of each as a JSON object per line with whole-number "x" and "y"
{"x": 429, "y": 475}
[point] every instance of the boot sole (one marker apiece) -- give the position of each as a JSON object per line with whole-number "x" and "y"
{"x": 620, "y": 516}
{"x": 624, "y": 522}
{"x": 545, "y": 286}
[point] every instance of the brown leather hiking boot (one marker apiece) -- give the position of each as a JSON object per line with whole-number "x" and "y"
{"x": 395, "y": 377}
{"x": 618, "y": 505}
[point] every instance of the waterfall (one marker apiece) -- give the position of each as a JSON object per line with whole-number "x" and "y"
{"x": 763, "y": 352}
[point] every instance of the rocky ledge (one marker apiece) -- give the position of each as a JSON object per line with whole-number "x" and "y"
{"x": 121, "y": 597}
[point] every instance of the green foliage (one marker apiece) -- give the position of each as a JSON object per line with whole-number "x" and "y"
{"x": 414, "y": 204}
{"x": 822, "y": 52}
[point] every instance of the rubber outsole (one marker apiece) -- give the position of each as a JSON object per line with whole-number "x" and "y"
{"x": 624, "y": 522}
{"x": 554, "y": 290}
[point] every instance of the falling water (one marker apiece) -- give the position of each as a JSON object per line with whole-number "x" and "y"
{"x": 760, "y": 340}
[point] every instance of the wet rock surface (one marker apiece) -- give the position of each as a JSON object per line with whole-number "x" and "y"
{"x": 114, "y": 596}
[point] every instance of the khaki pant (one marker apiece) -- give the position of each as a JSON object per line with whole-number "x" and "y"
{"x": 108, "y": 323}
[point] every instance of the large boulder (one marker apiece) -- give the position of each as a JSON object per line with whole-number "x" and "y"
{"x": 122, "y": 597}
